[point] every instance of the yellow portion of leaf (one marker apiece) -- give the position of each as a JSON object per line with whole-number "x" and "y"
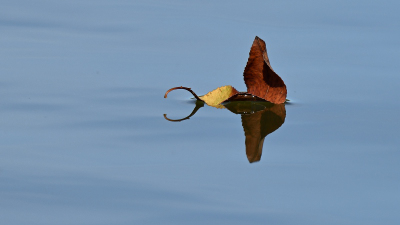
{"x": 216, "y": 97}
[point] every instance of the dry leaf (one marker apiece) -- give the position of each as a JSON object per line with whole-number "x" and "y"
{"x": 260, "y": 78}
{"x": 216, "y": 97}
{"x": 263, "y": 84}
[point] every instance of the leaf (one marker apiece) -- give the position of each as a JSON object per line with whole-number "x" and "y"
{"x": 260, "y": 78}
{"x": 263, "y": 84}
{"x": 216, "y": 97}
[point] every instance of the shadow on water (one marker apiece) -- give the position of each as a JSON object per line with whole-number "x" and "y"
{"x": 258, "y": 120}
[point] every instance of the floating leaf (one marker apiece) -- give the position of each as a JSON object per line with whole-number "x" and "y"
{"x": 260, "y": 78}
{"x": 260, "y": 107}
{"x": 219, "y": 95}
{"x": 263, "y": 84}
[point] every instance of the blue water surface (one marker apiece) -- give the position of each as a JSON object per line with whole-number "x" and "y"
{"x": 84, "y": 140}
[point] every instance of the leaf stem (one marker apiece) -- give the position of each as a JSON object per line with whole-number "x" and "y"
{"x": 185, "y": 88}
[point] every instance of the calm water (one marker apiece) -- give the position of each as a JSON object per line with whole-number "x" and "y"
{"x": 84, "y": 140}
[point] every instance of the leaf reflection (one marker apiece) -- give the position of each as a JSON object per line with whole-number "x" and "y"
{"x": 199, "y": 104}
{"x": 258, "y": 120}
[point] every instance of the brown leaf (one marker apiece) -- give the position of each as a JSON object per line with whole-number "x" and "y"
{"x": 263, "y": 84}
{"x": 260, "y": 78}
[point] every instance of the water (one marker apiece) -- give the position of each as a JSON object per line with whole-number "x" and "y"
{"x": 84, "y": 140}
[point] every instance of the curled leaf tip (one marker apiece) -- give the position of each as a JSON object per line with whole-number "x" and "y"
{"x": 185, "y": 88}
